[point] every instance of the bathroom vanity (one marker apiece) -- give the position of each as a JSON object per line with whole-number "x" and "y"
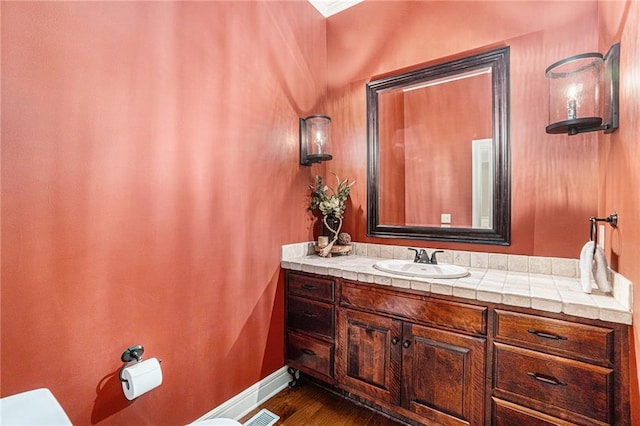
{"x": 431, "y": 358}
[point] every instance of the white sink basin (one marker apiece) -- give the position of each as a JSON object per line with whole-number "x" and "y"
{"x": 423, "y": 270}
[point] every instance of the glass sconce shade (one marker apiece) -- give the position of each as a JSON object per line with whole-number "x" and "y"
{"x": 574, "y": 93}
{"x": 583, "y": 93}
{"x": 315, "y": 139}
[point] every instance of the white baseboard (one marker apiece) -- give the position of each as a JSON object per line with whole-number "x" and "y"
{"x": 250, "y": 398}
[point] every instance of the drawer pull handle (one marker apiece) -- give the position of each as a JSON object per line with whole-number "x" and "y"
{"x": 309, "y": 286}
{"x": 309, "y": 315}
{"x": 395, "y": 341}
{"x": 406, "y": 343}
{"x": 546, "y": 335}
{"x": 544, "y": 379}
{"x": 308, "y": 351}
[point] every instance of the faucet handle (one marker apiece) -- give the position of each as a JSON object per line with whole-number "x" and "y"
{"x": 417, "y": 256}
{"x": 433, "y": 259}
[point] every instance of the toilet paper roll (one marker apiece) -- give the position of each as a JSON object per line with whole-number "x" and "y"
{"x": 141, "y": 377}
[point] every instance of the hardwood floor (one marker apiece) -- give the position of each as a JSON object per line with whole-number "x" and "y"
{"x": 310, "y": 405}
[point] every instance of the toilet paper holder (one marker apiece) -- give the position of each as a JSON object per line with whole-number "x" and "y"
{"x": 130, "y": 356}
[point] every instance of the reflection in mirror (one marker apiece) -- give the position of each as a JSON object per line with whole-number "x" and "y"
{"x": 482, "y": 183}
{"x": 438, "y": 152}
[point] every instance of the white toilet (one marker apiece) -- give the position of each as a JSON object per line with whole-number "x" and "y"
{"x": 35, "y": 407}
{"x": 40, "y": 407}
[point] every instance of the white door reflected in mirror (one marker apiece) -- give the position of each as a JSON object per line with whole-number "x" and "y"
{"x": 482, "y": 183}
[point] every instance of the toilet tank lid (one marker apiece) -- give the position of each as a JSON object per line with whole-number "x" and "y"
{"x": 35, "y": 407}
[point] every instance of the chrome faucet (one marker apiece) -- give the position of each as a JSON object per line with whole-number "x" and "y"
{"x": 423, "y": 257}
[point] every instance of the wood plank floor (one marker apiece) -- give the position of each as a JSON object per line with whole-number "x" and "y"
{"x": 310, "y": 405}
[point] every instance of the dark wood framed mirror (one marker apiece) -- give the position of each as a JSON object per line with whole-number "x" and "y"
{"x": 438, "y": 152}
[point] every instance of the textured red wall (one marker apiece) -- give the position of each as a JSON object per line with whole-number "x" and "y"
{"x": 620, "y": 164}
{"x": 554, "y": 178}
{"x": 149, "y": 176}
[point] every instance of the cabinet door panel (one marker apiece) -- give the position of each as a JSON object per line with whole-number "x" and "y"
{"x": 443, "y": 375}
{"x": 368, "y": 352}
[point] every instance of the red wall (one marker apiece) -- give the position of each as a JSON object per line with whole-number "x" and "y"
{"x": 149, "y": 177}
{"x": 620, "y": 164}
{"x": 554, "y": 178}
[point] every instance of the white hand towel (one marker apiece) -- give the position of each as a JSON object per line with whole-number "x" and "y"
{"x": 586, "y": 266}
{"x": 594, "y": 265}
{"x": 601, "y": 270}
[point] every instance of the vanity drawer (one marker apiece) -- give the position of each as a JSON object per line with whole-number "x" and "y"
{"x": 307, "y": 354}
{"x": 555, "y": 336}
{"x": 310, "y": 316}
{"x": 428, "y": 310}
{"x": 508, "y": 414}
{"x": 312, "y": 287}
{"x": 555, "y": 382}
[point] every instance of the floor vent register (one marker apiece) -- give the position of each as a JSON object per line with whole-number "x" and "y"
{"x": 264, "y": 417}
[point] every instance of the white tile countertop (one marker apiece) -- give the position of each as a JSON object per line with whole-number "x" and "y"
{"x": 543, "y": 283}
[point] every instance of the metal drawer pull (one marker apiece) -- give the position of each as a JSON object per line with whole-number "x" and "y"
{"x": 546, "y": 335}
{"x": 309, "y": 314}
{"x": 406, "y": 343}
{"x": 395, "y": 341}
{"x": 544, "y": 379}
{"x": 308, "y": 351}
{"x": 309, "y": 286}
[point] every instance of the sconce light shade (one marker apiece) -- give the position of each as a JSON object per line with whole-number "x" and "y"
{"x": 315, "y": 139}
{"x": 583, "y": 93}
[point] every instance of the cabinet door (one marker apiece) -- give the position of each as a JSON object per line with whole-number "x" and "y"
{"x": 443, "y": 375}
{"x": 368, "y": 355}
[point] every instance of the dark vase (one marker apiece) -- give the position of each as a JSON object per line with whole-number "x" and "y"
{"x": 333, "y": 223}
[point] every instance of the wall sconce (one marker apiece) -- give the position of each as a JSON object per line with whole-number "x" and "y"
{"x": 583, "y": 93}
{"x": 315, "y": 139}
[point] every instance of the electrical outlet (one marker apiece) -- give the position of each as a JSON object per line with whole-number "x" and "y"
{"x": 445, "y": 218}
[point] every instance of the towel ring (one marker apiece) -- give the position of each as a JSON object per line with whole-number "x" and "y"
{"x": 612, "y": 220}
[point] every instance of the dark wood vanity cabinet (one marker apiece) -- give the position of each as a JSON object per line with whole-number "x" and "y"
{"x": 552, "y": 370}
{"x": 427, "y": 374}
{"x": 441, "y": 361}
{"x": 310, "y": 319}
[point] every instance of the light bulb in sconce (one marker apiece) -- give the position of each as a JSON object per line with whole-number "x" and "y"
{"x": 319, "y": 141}
{"x": 572, "y": 101}
{"x": 571, "y": 109}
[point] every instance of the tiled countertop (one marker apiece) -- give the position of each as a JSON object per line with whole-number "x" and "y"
{"x": 558, "y": 292}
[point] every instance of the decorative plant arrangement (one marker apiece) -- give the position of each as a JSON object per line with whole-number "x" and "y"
{"x": 331, "y": 203}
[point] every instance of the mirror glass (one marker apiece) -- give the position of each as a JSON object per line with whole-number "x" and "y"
{"x": 438, "y": 152}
